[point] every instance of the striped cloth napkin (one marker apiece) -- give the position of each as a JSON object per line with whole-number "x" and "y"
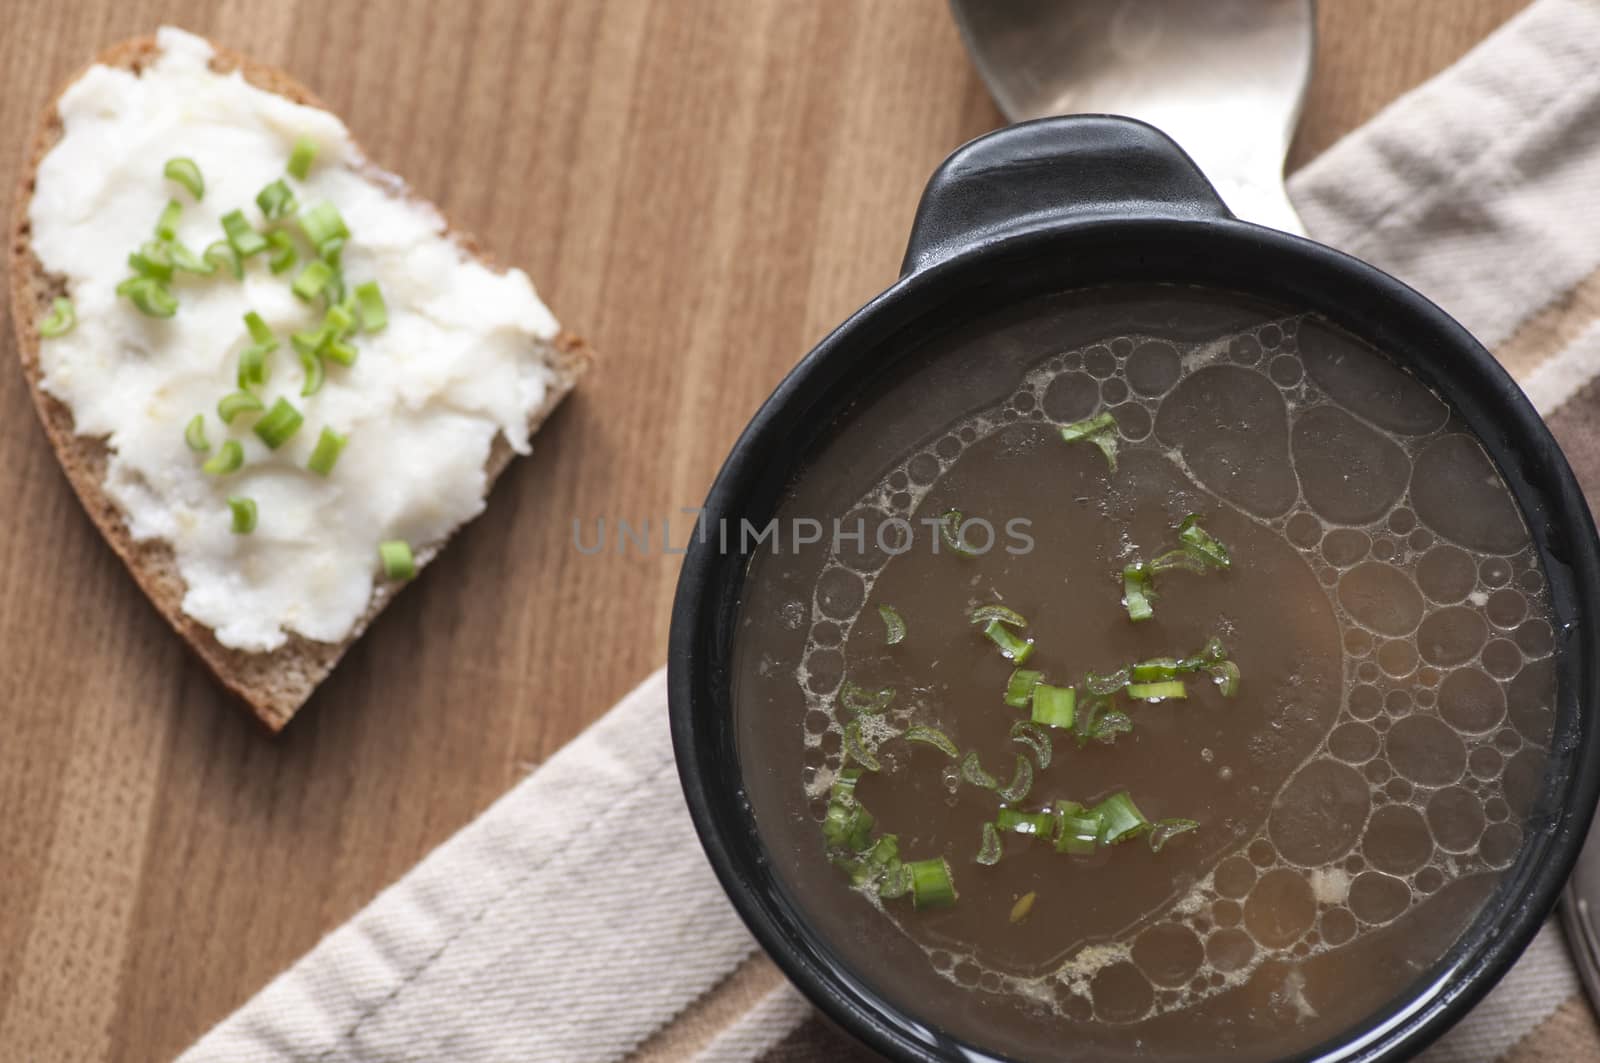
{"x": 525, "y": 936}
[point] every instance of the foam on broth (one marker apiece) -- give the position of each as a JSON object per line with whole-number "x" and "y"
{"x": 1358, "y": 799}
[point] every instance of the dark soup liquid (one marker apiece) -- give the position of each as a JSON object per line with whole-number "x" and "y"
{"x": 1151, "y": 673}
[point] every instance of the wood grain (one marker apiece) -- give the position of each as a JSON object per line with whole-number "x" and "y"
{"x": 702, "y": 188}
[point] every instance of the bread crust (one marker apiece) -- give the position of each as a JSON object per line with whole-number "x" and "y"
{"x": 274, "y": 684}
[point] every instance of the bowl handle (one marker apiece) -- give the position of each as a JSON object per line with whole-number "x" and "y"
{"x": 1039, "y": 174}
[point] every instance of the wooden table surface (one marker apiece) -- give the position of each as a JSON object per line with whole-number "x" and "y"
{"x": 702, "y": 188}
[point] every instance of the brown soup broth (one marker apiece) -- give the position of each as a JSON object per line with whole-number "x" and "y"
{"x": 1357, "y": 800}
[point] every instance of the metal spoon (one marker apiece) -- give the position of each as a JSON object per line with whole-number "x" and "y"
{"x": 1224, "y": 78}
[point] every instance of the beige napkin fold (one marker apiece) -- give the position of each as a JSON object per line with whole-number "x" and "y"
{"x": 577, "y": 919}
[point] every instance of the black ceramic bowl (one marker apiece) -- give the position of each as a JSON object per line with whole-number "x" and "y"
{"x": 1066, "y": 203}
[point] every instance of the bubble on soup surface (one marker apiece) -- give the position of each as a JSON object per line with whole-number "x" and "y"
{"x": 824, "y": 671}
{"x": 1452, "y": 636}
{"x": 1246, "y": 350}
{"x": 1470, "y": 701}
{"x": 1502, "y": 659}
{"x": 1168, "y": 953}
{"x": 1121, "y": 993}
{"x": 1230, "y": 950}
{"x": 840, "y": 593}
{"x": 1099, "y": 361}
{"x": 1500, "y": 844}
{"x": 1506, "y": 608}
{"x": 1348, "y": 472}
{"x": 1318, "y": 814}
{"x": 1381, "y": 597}
{"x": 1531, "y": 703}
{"x": 1133, "y": 421}
{"x": 1536, "y": 638}
{"x": 1303, "y": 530}
{"x": 1456, "y": 819}
{"x": 1397, "y": 658}
{"x": 1353, "y": 742}
{"x": 1226, "y": 912}
{"x": 1113, "y": 391}
{"x": 1345, "y": 546}
{"x": 1425, "y": 751}
{"x": 1446, "y": 574}
{"x": 1365, "y": 702}
{"x": 1231, "y": 426}
{"x": 1280, "y": 908}
{"x": 1371, "y": 387}
{"x": 1338, "y": 926}
{"x": 1378, "y": 898}
{"x": 1397, "y": 840}
{"x": 1071, "y": 397}
{"x": 1457, "y": 492}
{"x": 1153, "y": 368}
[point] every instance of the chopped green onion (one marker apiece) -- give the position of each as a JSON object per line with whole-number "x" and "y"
{"x": 950, "y": 530}
{"x": 186, "y": 173}
{"x": 311, "y": 365}
{"x": 374, "y": 312}
{"x": 326, "y": 452}
{"x": 1167, "y": 829}
{"x": 235, "y": 403}
{"x": 934, "y": 737}
{"x": 1035, "y": 738}
{"x": 1099, "y": 720}
{"x": 972, "y": 771}
{"x": 275, "y": 200}
{"x": 847, "y": 826}
{"x": 278, "y": 424}
{"x": 152, "y": 260}
{"x": 894, "y": 627}
{"x": 186, "y": 261}
{"x": 844, "y": 784}
{"x": 989, "y": 849}
{"x": 854, "y": 747}
{"x": 1078, "y": 829}
{"x": 167, "y": 223}
{"x": 1110, "y": 724}
{"x": 244, "y": 515}
{"x": 1192, "y": 535}
{"x": 1171, "y": 688}
{"x": 1137, "y": 591}
{"x": 260, "y": 331}
{"x": 221, "y": 254}
{"x": 194, "y": 434}
{"x": 931, "y": 884}
{"x": 338, "y": 322}
{"x": 1101, "y": 430}
{"x": 1122, "y": 819}
{"x": 151, "y": 296}
{"x": 896, "y": 882}
{"x": 281, "y": 254}
{"x": 62, "y": 317}
{"x": 301, "y": 157}
{"x": 330, "y": 251}
{"x": 1012, "y": 647}
{"x": 985, "y": 613}
{"x": 242, "y": 236}
{"x": 1012, "y": 821}
{"x": 339, "y": 351}
{"x": 1019, "y": 688}
{"x": 1024, "y": 906}
{"x": 1109, "y": 683}
{"x": 398, "y": 563}
{"x": 311, "y": 342}
{"x": 253, "y": 368}
{"x": 1226, "y": 675}
{"x": 1054, "y": 706}
{"x": 1185, "y": 558}
{"x": 858, "y": 700}
{"x": 312, "y": 280}
{"x": 228, "y": 459}
{"x": 322, "y": 223}
{"x": 1155, "y": 669}
{"x": 1021, "y": 781}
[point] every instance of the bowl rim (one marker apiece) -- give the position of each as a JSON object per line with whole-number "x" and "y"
{"x": 1222, "y": 253}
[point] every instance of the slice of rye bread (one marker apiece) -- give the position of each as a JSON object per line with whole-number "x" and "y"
{"x": 274, "y": 684}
